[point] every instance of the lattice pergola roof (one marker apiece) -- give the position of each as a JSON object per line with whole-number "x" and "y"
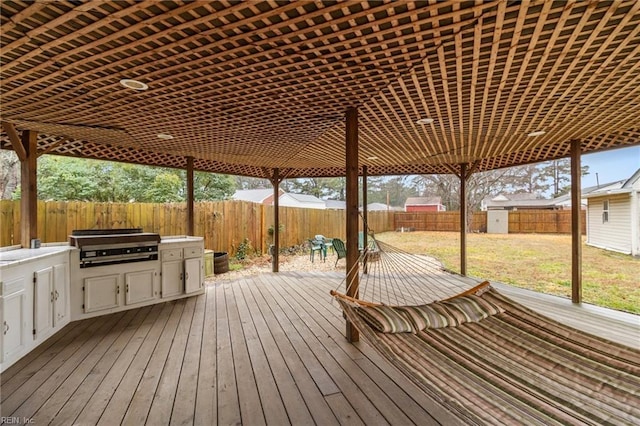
{"x": 245, "y": 87}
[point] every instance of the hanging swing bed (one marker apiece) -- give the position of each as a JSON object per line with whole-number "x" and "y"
{"x": 484, "y": 357}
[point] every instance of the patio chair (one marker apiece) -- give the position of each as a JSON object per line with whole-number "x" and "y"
{"x": 317, "y": 246}
{"x": 340, "y": 249}
{"x": 328, "y": 243}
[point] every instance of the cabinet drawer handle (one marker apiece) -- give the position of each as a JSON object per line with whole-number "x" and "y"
{"x": 6, "y": 328}
{"x": 186, "y": 276}
{"x": 57, "y": 294}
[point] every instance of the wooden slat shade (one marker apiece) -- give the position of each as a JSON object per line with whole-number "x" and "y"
{"x": 245, "y": 87}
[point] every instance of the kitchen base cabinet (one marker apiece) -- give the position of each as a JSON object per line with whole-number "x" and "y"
{"x": 34, "y": 290}
{"x": 13, "y": 317}
{"x": 42, "y": 302}
{"x": 49, "y": 298}
{"x": 101, "y": 293}
{"x": 140, "y": 286}
{"x": 193, "y": 273}
{"x": 172, "y": 278}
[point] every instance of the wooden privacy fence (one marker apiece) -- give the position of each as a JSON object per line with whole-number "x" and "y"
{"x": 226, "y": 224}
{"x": 520, "y": 221}
{"x": 223, "y": 224}
{"x": 439, "y": 221}
{"x": 543, "y": 221}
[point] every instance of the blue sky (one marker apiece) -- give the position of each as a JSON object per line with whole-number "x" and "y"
{"x": 611, "y": 166}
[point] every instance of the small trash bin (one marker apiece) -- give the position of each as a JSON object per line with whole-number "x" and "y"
{"x": 220, "y": 262}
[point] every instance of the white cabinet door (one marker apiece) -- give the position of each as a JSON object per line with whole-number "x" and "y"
{"x": 43, "y": 302}
{"x": 12, "y": 313}
{"x": 139, "y": 286}
{"x": 193, "y": 275}
{"x": 60, "y": 278}
{"x": 101, "y": 293}
{"x": 172, "y": 280}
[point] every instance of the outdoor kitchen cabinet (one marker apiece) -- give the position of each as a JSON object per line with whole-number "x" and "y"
{"x": 101, "y": 292}
{"x": 140, "y": 286}
{"x": 34, "y": 291}
{"x": 13, "y": 318}
{"x": 49, "y": 298}
{"x": 193, "y": 269}
{"x": 172, "y": 273}
{"x": 182, "y": 270}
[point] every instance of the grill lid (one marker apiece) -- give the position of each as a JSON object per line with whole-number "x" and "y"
{"x": 107, "y": 237}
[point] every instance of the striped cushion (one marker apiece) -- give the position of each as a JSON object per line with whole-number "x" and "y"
{"x": 471, "y": 308}
{"x": 450, "y": 313}
{"x": 425, "y": 316}
{"x": 386, "y": 319}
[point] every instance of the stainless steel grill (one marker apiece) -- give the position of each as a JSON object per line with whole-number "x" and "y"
{"x": 99, "y": 247}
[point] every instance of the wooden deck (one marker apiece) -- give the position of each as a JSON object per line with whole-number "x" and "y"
{"x": 267, "y": 349}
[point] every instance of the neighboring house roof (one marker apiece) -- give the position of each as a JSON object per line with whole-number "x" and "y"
{"x": 335, "y": 204}
{"x": 304, "y": 198}
{"x": 372, "y": 207}
{"x": 302, "y": 201}
{"x": 423, "y": 201}
{"x": 253, "y": 195}
{"x": 524, "y": 201}
{"x": 619, "y": 187}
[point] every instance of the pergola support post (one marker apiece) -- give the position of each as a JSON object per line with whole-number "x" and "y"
{"x": 463, "y": 218}
{"x": 352, "y": 212}
{"x": 275, "y": 181}
{"x": 576, "y": 223}
{"x": 190, "y": 198}
{"x": 29, "y": 188}
{"x": 365, "y": 218}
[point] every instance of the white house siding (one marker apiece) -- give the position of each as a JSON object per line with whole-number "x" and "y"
{"x": 616, "y": 233}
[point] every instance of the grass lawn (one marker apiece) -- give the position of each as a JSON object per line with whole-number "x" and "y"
{"x": 540, "y": 262}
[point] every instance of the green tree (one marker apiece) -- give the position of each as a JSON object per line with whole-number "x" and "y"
{"x": 395, "y": 189}
{"x": 62, "y": 178}
{"x": 558, "y": 174}
{"x": 9, "y": 174}
{"x": 66, "y": 178}
{"x": 166, "y": 188}
{"x": 212, "y": 186}
{"x": 244, "y": 182}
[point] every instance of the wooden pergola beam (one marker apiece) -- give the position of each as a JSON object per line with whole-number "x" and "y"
{"x": 352, "y": 213}
{"x": 28, "y": 188}
{"x": 16, "y": 143}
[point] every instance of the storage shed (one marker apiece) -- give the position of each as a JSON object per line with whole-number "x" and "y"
{"x": 613, "y": 216}
{"x": 424, "y": 204}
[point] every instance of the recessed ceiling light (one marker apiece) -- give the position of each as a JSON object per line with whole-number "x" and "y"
{"x": 425, "y": 121}
{"x": 372, "y": 158}
{"x": 537, "y": 133}
{"x": 165, "y": 136}
{"x": 133, "y": 84}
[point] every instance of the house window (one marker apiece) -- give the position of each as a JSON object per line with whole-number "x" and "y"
{"x": 605, "y": 211}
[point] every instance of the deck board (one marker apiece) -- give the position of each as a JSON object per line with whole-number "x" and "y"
{"x": 140, "y": 404}
{"x": 252, "y": 325}
{"x": 267, "y": 349}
